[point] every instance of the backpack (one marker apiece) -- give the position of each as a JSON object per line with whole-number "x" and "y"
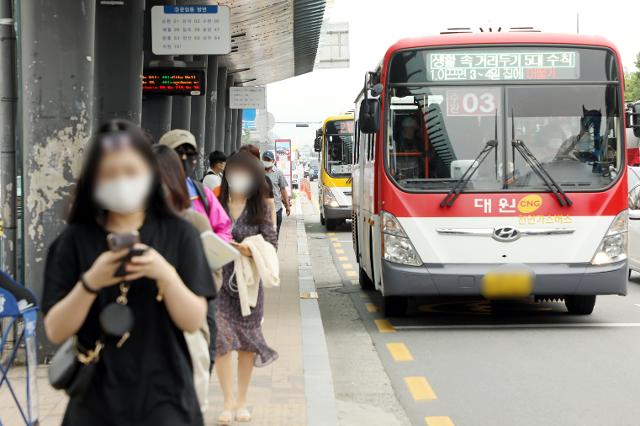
{"x": 209, "y": 172}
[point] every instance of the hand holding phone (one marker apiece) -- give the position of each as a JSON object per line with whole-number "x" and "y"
{"x": 127, "y": 240}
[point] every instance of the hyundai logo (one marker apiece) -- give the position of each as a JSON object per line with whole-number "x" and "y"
{"x": 506, "y": 234}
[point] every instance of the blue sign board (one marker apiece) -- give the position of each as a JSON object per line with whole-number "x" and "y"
{"x": 249, "y": 119}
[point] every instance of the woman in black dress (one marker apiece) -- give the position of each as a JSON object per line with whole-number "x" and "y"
{"x": 147, "y": 380}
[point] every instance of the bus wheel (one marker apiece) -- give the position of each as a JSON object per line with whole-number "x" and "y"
{"x": 366, "y": 283}
{"x": 394, "y": 306}
{"x": 580, "y": 305}
{"x": 322, "y": 221}
{"x": 331, "y": 224}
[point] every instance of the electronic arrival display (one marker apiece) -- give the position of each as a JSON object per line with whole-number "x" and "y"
{"x": 174, "y": 81}
{"x": 484, "y": 65}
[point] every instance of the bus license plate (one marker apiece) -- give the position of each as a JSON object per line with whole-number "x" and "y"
{"x": 497, "y": 285}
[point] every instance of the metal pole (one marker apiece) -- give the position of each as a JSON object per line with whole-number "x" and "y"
{"x": 56, "y": 77}
{"x": 221, "y": 109}
{"x": 118, "y": 60}
{"x": 8, "y": 101}
{"x": 228, "y": 146}
{"x": 181, "y": 109}
{"x": 156, "y": 109}
{"x": 198, "y": 116}
{"x": 211, "y": 101}
{"x": 239, "y": 129}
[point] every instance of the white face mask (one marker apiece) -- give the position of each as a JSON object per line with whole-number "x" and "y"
{"x": 239, "y": 183}
{"x": 267, "y": 164}
{"x": 124, "y": 195}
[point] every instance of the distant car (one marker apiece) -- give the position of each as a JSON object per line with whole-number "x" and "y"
{"x": 634, "y": 219}
{"x": 313, "y": 172}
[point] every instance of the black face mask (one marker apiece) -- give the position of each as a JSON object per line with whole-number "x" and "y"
{"x": 189, "y": 167}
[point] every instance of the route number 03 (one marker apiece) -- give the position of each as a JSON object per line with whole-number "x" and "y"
{"x": 483, "y": 103}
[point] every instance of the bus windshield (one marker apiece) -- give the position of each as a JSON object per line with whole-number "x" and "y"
{"x": 338, "y": 139}
{"x": 436, "y": 129}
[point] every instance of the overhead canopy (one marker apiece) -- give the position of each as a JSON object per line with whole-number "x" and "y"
{"x": 272, "y": 40}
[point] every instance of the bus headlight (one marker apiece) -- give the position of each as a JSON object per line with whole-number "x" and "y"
{"x": 328, "y": 199}
{"x": 613, "y": 247}
{"x": 396, "y": 245}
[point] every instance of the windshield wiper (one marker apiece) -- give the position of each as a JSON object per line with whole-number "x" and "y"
{"x": 468, "y": 174}
{"x": 535, "y": 165}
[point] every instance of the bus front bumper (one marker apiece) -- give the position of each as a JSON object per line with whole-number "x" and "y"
{"x": 466, "y": 279}
{"x": 343, "y": 212}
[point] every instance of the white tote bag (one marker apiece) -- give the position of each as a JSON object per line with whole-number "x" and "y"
{"x": 198, "y": 344}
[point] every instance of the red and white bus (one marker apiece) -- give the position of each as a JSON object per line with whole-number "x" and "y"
{"x": 492, "y": 164}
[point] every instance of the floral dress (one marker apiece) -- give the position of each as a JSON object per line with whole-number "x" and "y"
{"x": 235, "y": 332}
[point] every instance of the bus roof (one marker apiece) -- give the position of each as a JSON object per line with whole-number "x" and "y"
{"x": 499, "y": 38}
{"x": 337, "y": 117}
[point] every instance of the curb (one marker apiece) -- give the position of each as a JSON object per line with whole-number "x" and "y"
{"x": 318, "y": 381}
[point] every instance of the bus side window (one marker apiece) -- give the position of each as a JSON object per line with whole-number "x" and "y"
{"x": 356, "y": 144}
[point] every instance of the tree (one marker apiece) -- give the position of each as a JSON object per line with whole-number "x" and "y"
{"x": 632, "y": 82}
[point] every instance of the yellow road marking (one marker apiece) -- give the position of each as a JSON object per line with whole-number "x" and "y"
{"x": 384, "y": 326}
{"x": 419, "y": 388}
{"x": 331, "y": 234}
{"x": 399, "y": 352}
{"x": 343, "y": 258}
{"x": 355, "y": 282}
{"x": 371, "y": 307}
{"x": 347, "y": 266}
{"x": 351, "y": 273}
{"x": 339, "y": 251}
{"x": 337, "y": 244}
{"x": 438, "y": 421}
{"x": 333, "y": 238}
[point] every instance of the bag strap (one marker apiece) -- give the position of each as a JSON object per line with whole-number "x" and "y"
{"x": 203, "y": 196}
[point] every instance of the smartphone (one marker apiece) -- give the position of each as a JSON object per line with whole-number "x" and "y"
{"x": 122, "y": 241}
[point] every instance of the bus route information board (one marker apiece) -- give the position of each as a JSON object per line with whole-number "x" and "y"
{"x": 190, "y": 30}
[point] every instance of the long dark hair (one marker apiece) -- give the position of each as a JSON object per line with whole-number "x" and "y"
{"x": 84, "y": 208}
{"x": 173, "y": 177}
{"x": 256, "y": 208}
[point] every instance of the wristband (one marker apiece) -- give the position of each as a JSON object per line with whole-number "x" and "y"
{"x": 87, "y": 287}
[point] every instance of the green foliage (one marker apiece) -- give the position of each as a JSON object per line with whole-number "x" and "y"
{"x": 632, "y": 82}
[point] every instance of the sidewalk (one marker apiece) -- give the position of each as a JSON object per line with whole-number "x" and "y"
{"x": 277, "y": 392}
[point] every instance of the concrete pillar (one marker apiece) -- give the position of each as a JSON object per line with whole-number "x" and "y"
{"x": 56, "y": 42}
{"x": 221, "y": 110}
{"x": 156, "y": 109}
{"x": 118, "y": 60}
{"x": 8, "y": 101}
{"x": 228, "y": 118}
{"x": 197, "y": 119}
{"x": 181, "y": 108}
{"x": 239, "y": 129}
{"x": 211, "y": 105}
{"x": 234, "y": 128}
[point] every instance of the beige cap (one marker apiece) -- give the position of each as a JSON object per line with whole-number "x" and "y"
{"x": 176, "y": 137}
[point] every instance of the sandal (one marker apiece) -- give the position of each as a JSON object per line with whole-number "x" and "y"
{"x": 243, "y": 415}
{"x": 225, "y": 418}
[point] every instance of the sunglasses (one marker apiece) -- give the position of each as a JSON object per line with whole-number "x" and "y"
{"x": 188, "y": 151}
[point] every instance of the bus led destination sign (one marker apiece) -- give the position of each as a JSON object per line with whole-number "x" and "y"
{"x": 460, "y": 65}
{"x": 172, "y": 81}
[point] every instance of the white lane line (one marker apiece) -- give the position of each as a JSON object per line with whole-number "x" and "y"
{"x": 637, "y": 304}
{"x": 511, "y": 326}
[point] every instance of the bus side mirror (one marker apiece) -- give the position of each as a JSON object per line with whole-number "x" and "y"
{"x": 317, "y": 146}
{"x": 369, "y": 116}
{"x": 633, "y": 118}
